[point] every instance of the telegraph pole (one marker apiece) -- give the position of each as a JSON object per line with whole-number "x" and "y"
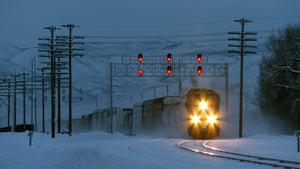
{"x": 58, "y": 98}
{"x": 70, "y": 43}
{"x": 31, "y": 106}
{"x": 24, "y": 102}
{"x": 8, "y": 104}
{"x": 15, "y": 103}
{"x": 35, "y": 112}
{"x": 111, "y": 99}
{"x": 7, "y": 84}
{"x": 56, "y": 66}
{"x": 52, "y": 29}
{"x": 241, "y": 39}
{"x": 43, "y": 100}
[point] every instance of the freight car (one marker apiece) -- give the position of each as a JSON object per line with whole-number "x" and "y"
{"x": 158, "y": 114}
{"x": 197, "y": 112}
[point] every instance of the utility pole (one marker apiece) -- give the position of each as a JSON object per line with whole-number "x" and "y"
{"x": 7, "y": 83}
{"x": 56, "y": 65}
{"x": 111, "y": 99}
{"x": 53, "y": 67}
{"x": 43, "y": 100}
{"x": 58, "y": 99}
{"x": 226, "y": 92}
{"x": 24, "y": 102}
{"x": 31, "y": 85}
{"x": 35, "y": 112}
{"x": 15, "y": 103}
{"x": 8, "y": 104}
{"x": 241, "y": 39}
{"x": 70, "y": 77}
{"x": 70, "y": 44}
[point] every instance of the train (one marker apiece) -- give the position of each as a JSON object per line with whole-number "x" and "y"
{"x": 203, "y": 113}
{"x": 196, "y": 114}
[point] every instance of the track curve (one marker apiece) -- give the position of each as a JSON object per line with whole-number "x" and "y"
{"x": 238, "y": 156}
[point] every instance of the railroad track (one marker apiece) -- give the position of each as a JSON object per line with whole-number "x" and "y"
{"x": 216, "y": 152}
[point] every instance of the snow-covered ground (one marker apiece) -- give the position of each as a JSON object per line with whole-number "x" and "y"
{"x": 101, "y": 150}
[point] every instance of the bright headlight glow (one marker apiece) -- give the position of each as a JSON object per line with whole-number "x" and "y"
{"x": 195, "y": 119}
{"x": 203, "y": 105}
{"x": 211, "y": 119}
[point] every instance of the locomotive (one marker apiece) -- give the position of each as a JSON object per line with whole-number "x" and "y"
{"x": 197, "y": 112}
{"x": 202, "y": 106}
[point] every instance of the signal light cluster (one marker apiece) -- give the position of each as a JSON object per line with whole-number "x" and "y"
{"x": 140, "y": 59}
{"x": 199, "y": 59}
{"x": 169, "y": 60}
{"x": 169, "y": 68}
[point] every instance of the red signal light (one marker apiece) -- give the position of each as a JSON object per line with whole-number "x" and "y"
{"x": 140, "y": 58}
{"x": 199, "y": 70}
{"x": 169, "y": 57}
{"x": 140, "y": 71}
{"x": 199, "y": 57}
{"x": 169, "y": 70}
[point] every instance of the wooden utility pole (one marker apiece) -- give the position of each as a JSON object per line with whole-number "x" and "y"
{"x": 7, "y": 83}
{"x": 8, "y": 104}
{"x": 241, "y": 39}
{"x": 51, "y": 51}
{"x": 70, "y": 43}
{"x": 43, "y": 100}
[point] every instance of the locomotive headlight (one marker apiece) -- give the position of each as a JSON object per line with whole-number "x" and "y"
{"x": 211, "y": 119}
{"x": 195, "y": 119}
{"x": 203, "y": 105}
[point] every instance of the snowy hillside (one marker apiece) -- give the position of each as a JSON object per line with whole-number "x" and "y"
{"x": 90, "y": 73}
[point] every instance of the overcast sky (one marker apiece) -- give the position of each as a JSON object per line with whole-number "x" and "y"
{"x": 22, "y": 21}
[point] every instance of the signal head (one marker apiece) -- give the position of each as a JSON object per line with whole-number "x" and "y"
{"x": 199, "y": 57}
{"x": 140, "y": 58}
{"x": 199, "y": 70}
{"x": 169, "y": 57}
{"x": 169, "y": 70}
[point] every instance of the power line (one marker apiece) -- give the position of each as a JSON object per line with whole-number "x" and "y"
{"x": 164, "y": 36}
{"x": 118, "y": 26}
{"x": 160, "y": 42}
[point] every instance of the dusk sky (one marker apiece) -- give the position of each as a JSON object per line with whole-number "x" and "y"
{"x": 22, "y": 21}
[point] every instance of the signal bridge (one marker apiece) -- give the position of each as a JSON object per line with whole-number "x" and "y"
{"x": 177, "y": 70}
{"x": 182, "y": 66}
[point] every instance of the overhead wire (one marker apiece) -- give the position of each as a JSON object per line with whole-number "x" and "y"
{"x": 198, "y": 22}
{"x": 159, "y": 39}
{"x": 164, "y": 36}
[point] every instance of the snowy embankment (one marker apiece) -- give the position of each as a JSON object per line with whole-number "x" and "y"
{"x": 102, "y": 150}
